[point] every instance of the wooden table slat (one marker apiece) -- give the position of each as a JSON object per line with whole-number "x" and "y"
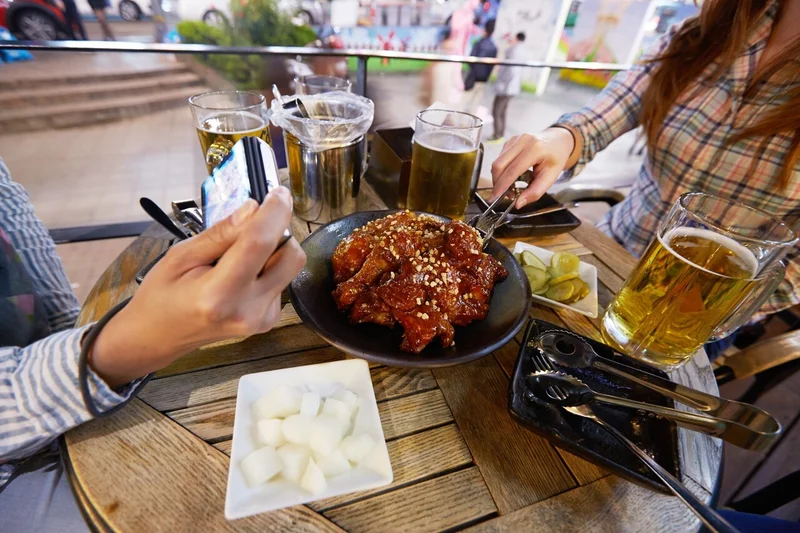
{"x": 415, "y": 458}
{"x": 185, "y": 489}
{"x": 519, "y": 467}
{"x": 610, "y": 504}
{"x": 276, "y": 342}
{"x": 403, "y": 416}
{"x": 442, "y": 503}
{"x": 206, "y": 386}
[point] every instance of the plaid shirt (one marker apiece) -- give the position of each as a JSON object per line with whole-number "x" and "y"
{"x": 691, "y": 152}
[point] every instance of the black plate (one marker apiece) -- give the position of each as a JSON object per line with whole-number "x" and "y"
{"x": 540, "y": 226}
{"x": 311, "y": 296}
{"x": 581, "y": 436}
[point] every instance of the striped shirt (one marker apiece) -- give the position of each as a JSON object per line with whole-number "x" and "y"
{"x": 39, "y": 395}
{"x": 691, "y": 152}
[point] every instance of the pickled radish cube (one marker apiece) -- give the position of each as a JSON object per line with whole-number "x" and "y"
{"x": 348, "y": 397}
{"x": 326, "y": 434}
{"x": 295, "y": 459}
{"x": 337, "y": 409}
{"x": 261, "y": 465}
{"x": 280, "y": 402}
{"x": 269, "y": 432}
{"x": 313, "y": 479}
{"x": 334, "y": 464}
{"x": 297, "y": 428}
{"x": 310, "y": 403}
{"x": 356, "y": 447}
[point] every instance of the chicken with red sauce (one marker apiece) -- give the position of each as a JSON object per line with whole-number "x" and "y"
{"x": 416, "y": 271}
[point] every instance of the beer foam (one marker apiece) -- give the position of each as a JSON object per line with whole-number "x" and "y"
{"x": 744, "y": 254}
{"x": 238, "y": 118}
{"x": 448, "y": 137}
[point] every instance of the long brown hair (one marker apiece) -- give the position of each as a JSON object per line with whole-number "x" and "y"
{"x": 719, "y": 34}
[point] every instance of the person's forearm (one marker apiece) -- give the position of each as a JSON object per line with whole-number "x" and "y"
{"x": 577, "y": 146}
{"x": 39, "y": 393}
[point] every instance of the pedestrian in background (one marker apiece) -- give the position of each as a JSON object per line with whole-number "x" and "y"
{"x": 509, "y": 85}
{"x": 99, "y": 8}
{"x": 442, "y": 82}
{"x": 478, "y": 75}
{"x": 73, "y": 20}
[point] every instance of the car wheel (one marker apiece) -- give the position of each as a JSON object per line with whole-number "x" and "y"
{"x": 305, "y": 18}
{"x": 215, "y": 17}
{"x": 34, "y": 25}
{"x": 130, "y": 11}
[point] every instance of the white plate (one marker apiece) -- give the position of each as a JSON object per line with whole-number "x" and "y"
{"x": 353, "y": 374}
{"x": 587, "y": 272}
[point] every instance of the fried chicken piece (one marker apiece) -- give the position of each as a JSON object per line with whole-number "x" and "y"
{"x": 350, "y": 254}
{"x": 370, "y": 308}
{"x": 421, "y": 326}
{"x": 462, "y": 244}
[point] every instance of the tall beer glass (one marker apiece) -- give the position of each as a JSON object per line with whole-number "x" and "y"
{"x": 712, "y": 261}
{"x": 224, "y": 117}
{"x": 316, "y": 84}
{"x": 443, "y": 161}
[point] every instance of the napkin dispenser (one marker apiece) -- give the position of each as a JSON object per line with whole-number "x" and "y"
{"x": 390, "y": 165}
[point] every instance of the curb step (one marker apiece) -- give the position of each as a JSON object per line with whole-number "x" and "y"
{"x": 82, "y": 79}
{"x": 45, "y": 96}
{"x": 94, "y": 111}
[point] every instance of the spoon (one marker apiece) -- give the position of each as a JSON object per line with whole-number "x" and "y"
{"x": 713, "y": 521}
{"x": 158, "y": 214}
{"x": 756, "y": 428}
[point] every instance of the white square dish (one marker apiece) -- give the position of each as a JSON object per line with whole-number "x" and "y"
{"x": 587, "y": 272}
{"x": 241, "y": 500}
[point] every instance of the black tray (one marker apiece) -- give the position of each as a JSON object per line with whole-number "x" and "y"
{"x": 581, "y": 436}
{"x": 541, "y": 226}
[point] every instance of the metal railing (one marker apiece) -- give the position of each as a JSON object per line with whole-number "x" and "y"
{"x": 362, "y": 55}
{"x": 109, "y": 231}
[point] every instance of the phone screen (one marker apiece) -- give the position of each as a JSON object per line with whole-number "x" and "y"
{"x": 226, "y": 189}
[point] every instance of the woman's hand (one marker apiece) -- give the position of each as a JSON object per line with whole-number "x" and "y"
{"x": 548, "y": 152}
{"x": 185, "y": 302}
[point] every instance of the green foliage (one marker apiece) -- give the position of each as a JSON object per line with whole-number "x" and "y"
{"x": 266, "y": 25}
{"x": 255, "y": 23}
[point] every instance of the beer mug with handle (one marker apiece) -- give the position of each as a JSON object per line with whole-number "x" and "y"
{"x": 713, "y": 263}
{"x": 444, "y": 160}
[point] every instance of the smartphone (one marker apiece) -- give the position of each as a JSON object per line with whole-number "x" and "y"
{"x": 248, "y": 171}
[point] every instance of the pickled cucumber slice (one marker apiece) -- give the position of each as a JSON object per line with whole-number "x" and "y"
{"x": 536, "y": 277}
{"x": 563, "y": 277}
{"x": 577, "y": 285}
{"x": 565, "y": 262}
{"x": 585, "y": 290}
{"x": 529, "y": 259}
{"x": 561, "y": 292}
{"x": 542, "y": 291}
{"x": 553, "y": 272}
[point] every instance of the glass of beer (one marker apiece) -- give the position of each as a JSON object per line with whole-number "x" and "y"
{"x": 443, "y": 160}
{"x": 224, "y": 117}
{"x": 315, "y": 84}
{"x": 712, "y": 261}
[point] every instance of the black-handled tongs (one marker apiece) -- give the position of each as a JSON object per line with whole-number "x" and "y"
{"x": 747, "y": 426}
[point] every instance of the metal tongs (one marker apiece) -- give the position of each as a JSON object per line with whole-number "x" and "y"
{"x": 739, "y": 423}
{"x": 488, "y": 221}
{"x": 576, "y": 397}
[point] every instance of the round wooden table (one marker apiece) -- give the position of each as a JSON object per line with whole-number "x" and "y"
{"x": 459, "y": 460}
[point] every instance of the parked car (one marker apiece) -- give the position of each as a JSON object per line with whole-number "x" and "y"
{"x": 214, "y": 12}
{"x": 33, "y": 19}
